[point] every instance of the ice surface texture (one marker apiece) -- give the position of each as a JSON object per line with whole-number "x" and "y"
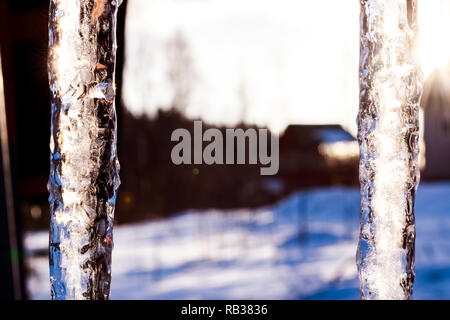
{"x": 84, "y": 167}
{"x": 388, "y": 134}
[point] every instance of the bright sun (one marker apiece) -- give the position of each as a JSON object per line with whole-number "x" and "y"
{"x": 434, "y": 45}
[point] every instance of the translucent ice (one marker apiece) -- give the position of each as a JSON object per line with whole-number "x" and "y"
{"x": 388, "y": 134}
{"x": 84, "y": 167}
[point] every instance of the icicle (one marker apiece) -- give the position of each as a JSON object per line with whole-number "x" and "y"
{"x": 84, "y": 167}
{"x": 388, "y": 123}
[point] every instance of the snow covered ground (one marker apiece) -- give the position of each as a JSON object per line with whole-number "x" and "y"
{"x": 301, "y": 248}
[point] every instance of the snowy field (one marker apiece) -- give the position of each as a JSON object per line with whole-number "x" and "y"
{"x": 301, "y": 248}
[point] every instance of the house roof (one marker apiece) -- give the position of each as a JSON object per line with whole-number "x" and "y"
{"x": 312, "y": 135}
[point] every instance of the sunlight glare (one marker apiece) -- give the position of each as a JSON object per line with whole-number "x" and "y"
{"x": 434, "y": 44}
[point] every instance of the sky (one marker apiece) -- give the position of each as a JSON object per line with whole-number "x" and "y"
{"x": 271, "y": 63}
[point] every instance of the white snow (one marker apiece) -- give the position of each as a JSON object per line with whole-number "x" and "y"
{"x": 258, "y": 254}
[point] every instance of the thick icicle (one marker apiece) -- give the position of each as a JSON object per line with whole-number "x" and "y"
{"x": 84, "y": 167}
{"x": 388, "y": 134}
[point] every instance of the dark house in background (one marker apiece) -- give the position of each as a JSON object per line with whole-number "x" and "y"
{"x": 318, "y": 155}
{"x": 436, "y": 106}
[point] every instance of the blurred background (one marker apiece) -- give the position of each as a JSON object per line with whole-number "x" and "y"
{"x": 224, "y": 232}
